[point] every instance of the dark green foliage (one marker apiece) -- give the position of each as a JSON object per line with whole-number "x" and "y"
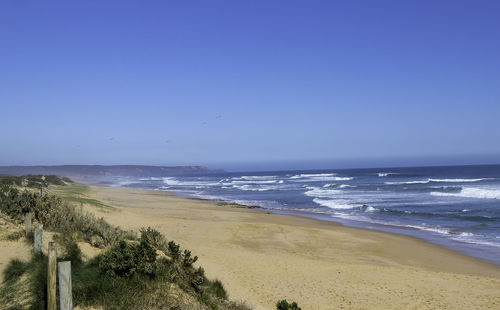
{"x": 73, "y": 253}
{"x": 34, "y": 181}
{"x": 39, "y": 281}
{"x": 217, "y": 289}
{"x": 284, "y": 305}
{"x": 188, "y": 261}
{"x": 154, "y": 237}
{"x": 71, "y": 250}
{"x": 174, "y": 250}
{"x": 30, "y": 237}
{"x": 129, "y": 259}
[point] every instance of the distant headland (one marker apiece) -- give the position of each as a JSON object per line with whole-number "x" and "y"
{"x": 100, "y": 170}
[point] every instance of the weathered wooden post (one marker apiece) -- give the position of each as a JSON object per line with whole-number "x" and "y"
{"x": 38, "y": 239}
{"x": 27, "y": 222}
{"x": 51, "y": 277}
{"x": 65, "y": 292}
{"x": 41, "y": 190}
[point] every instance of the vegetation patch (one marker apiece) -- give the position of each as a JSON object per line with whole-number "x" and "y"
{"x": 59, "y": 216}
{"x": 148, "y": 272}
{"x": 284, "y": 305}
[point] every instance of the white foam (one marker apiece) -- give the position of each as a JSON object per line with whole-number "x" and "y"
{"x": 171, "y": 181}
{"x": 256, "y": 177}
{"x": 150, "y": 179}
{"x": 473, "y": 192}
{"x": 457, "y": 180}
{"x": 254, "y": 182}
{"x": 319, "y": 178}
{"x": 333, "y": 204}
{"x": 305, "y": 175}
{"x": 408, "y": 182}
{"x": 370, "y": 209}
{"x": 428, "y": 228}
{"x": 385, "y": 174}
{"x": 346, "y": 186}
{"x": 322, "y": 193}
{"x": 471, "y": 238}
{"x": 125, "y": 182}
{"x": 254, "y": 188}
{"x": 436, "y": 180}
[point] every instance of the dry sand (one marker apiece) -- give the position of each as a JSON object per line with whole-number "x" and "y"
{"x": 262, "y": 257}
{"x": 11, "y": 249}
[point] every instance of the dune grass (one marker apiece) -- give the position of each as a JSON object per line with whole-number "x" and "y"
{"x": 77, "y": 194}
{"x": 132, "y": 273}
{"x": 128, "y": 276}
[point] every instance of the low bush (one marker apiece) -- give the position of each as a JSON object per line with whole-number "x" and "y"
{"x": 154, "y": 237}
{"x": 129, "y": 259}
{"x": 284, "y": 305}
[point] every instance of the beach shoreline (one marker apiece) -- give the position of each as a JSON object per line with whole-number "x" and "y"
{"x": 262, "y": 257}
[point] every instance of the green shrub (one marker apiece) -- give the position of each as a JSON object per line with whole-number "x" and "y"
{"x": 284, "y": 305}
{"x": 129, "y": 259}
{"x": 187, "y": 260}
{"x": 154, "y": 238}
{"x": 174, "y": 250}
{"x": 71, "y": 250}
{"x": 217, "y": 289}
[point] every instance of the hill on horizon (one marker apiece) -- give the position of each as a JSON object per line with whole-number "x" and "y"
{"x": 105, "y": 170}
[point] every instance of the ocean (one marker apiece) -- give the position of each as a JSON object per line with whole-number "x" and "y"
{"x": 454, "y": 206}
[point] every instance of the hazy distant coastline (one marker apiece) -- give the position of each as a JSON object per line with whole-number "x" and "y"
{"x": 102, "y": 170}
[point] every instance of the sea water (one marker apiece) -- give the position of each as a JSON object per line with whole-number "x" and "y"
{"x": 458, "y": 207}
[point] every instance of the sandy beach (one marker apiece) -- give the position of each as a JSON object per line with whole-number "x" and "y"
{"x": 262, "y": 257}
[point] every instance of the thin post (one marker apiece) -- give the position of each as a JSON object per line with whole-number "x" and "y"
{"x": 51, "y": 277}
{"x": 27, "y": 222}
{"x": 65, "y": 292}
{"x": 41, "y": 190}
{"x": 38, "y": 240}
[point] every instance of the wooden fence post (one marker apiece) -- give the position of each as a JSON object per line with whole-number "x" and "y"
{"x": 51, "y": 277}
{"x": 65, "y": 292}
{"x": 38, "y": 240}
{"x": 27, "y": 222}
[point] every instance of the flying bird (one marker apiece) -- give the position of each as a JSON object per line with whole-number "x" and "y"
{"x": 218, "y": 116}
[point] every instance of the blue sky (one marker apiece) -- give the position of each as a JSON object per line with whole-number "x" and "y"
{"x": 229, "y": 83}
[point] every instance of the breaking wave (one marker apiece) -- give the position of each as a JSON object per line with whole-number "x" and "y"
{"x": 472, "y": 192}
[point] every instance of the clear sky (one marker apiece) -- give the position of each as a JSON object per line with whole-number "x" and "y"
{"x": 223, "y": 83}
